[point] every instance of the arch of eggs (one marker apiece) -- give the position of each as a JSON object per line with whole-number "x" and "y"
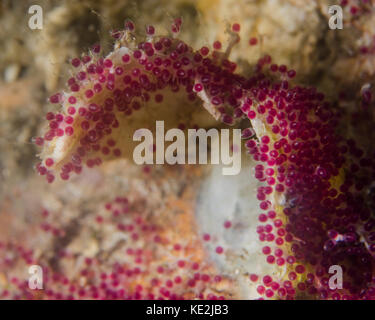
{"x": 316, "y": 201}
